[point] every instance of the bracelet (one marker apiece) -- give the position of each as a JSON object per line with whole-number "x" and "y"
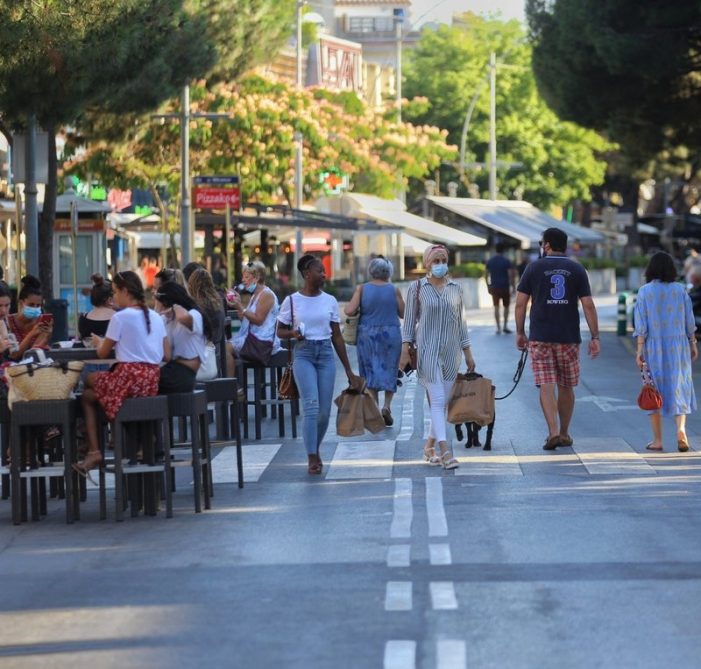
{"x": 595, "y": 337}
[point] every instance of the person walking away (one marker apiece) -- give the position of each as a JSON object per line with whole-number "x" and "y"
{"x": 435, "y": 320}
{"x": 25, "y": 326}
{"x": 311, "y": 317}
{"x": 379, "y": 339}
{"x": 666, "y": 342}
{"x": 187, "y": 329}
{"x": 500, "y": 275}
{"x": 138, "y": 337}
{"x": 555, "y": 285}
{"x": 98, "y": 318}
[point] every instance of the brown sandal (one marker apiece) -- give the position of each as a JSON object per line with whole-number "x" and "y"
{"x": 314, "y": 464}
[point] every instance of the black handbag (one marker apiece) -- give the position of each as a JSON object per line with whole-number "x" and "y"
{"x": 256, "y": 350}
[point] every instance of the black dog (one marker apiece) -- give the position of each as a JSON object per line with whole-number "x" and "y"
{"x": 473, "y": 439}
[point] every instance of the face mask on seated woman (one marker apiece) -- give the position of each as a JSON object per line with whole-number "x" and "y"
{"x": 32, "y": 313}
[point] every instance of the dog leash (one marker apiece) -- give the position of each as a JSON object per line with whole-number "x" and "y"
{"x": 519, "y": 373}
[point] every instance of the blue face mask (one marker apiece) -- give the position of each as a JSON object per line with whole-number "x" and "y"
{"x": 251, "y": 289}
{"x": 32, "y": 313}
{"x": 439, "y": 271}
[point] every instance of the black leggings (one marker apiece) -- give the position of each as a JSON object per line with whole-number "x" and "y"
{"x": 176, "y": 378}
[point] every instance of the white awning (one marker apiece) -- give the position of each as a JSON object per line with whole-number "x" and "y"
{"x": 413, "y": 245}
{"x": 394, "y": 212}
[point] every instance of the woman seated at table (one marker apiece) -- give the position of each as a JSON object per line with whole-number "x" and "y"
{"x": 138, "y": 337}
{"x": 98, "y": 318}
{"x": 30, "y": 330}
{"x": 187, "y": 329}
{"x": 208, "y": 300}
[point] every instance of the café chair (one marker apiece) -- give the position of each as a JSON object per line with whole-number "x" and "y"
{"x": 140, "y": 417}
{"x": 27, "y": 457}
{"x": 193, "y": 406}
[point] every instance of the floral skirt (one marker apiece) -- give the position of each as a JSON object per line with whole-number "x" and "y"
{"x": 125, "y": 380}
{"x": 379, "y": 348}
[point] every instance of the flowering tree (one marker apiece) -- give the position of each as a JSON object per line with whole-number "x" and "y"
{"x": 256, "y": 140}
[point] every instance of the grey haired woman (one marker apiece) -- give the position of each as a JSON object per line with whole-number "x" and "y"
{"x": 379, "y": 334}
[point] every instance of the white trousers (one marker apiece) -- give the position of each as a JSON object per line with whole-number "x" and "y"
{"x": 438, "y": 394}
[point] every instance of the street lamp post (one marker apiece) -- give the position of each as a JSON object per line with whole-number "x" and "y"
{"x": 398, "y": 20}
{"x": 186, "y": 232}
{"x": 492, "y": 126}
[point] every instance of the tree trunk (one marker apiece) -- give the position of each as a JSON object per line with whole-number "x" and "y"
{"x": 46, "y": 221}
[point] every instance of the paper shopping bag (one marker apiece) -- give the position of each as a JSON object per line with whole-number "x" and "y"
{"x": 471, "y": 400}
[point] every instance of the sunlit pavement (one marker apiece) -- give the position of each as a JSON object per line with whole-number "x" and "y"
{"x": 585, "y": 556}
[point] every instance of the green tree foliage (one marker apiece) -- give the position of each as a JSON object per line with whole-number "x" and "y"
{"x": 257, "y": 141}
{"x": 560, "y": 161}
{"x": 60, "y": 58}
{"x": 627, "y": 67}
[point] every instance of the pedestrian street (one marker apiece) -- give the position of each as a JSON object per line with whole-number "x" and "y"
{"x": 579, "y": 557}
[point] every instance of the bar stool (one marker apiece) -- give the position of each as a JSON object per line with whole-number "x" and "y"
{"x": 33, "y": 414}
{"x": 144, "y": 413}
{"x": 4, "y": 446}
{"x": 277, "y": 364}
{"x": 224, "y": 394}
{"x": 194, "y": 406}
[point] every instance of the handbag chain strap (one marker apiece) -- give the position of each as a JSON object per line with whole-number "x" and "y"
{"x": 289, "y": 339}
{"x": 646, "y": 376}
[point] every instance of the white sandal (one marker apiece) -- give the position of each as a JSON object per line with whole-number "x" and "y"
{"x": 430, "y": 454}
{"x": 447, "y": 459}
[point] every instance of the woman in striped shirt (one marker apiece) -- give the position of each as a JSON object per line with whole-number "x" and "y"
{"x": 435, "y": 320}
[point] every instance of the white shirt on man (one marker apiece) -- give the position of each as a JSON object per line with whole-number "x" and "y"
{"x": 133, "y": 341}
{"x": 186, "y": 343}
{"x": 317, "y": 313}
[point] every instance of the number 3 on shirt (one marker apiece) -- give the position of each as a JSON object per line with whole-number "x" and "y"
{"x": 557, "y": 292}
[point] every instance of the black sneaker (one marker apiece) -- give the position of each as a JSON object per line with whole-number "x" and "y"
{"x": 551, "y": 443}
{"x": 507, "y": 331}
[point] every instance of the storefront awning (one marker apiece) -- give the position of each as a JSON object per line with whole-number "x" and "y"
{"x": 394, "y": 212}
{"x": 514, "y": 218}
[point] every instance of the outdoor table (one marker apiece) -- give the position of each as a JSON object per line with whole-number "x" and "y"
{"x": 68, "y": 354}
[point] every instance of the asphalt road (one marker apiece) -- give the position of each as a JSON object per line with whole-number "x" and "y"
{"x": 584, "y": 557}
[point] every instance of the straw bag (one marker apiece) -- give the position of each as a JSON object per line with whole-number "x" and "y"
{"x": 49, "y": 381}
{"x": 350, "y": 324}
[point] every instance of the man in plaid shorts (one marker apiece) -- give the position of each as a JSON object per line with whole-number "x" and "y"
{"x": 555, "y": 285}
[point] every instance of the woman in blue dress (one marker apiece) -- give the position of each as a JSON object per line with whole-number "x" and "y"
{"x": 665, "y": 329}
{"x": 379, "y": 335}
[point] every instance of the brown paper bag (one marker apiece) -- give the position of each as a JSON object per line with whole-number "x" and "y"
{"x": 372, "y": 417}
{"x": 350, "y": 421}
{"x": 471, "y": 400}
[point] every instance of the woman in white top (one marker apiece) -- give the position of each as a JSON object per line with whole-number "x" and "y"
{"x": 311, "y": 316}
{"x": 187, "y": 329}
{"x": 435, "y": 320}
{"x": 138, "y": 337}
{"x": 259, "y": 318}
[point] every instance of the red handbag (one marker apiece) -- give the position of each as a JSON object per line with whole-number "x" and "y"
{"x": 649, "y": 398}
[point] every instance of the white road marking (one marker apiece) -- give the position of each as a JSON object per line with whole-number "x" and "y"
{"x": 403, "y": 510}
{"x": 363, "y": 460}
{"x": 439, "y": 554}
{"x": 443, "y": 596}
{"x": 501, "y": 461}
{"x": 451, "y": 654}
{"x": 399, "y": 555}
{"x": 398, "y": 596}
{"x": 610, "y": 455}
{"x": 607, "y": 404}
{"x": 256, "y": 458}
{"x": 437, "y": 523}
{"x": 408, "y": 411}
{"x": 400, "y": 655}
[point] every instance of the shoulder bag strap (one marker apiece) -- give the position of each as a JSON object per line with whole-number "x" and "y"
{"x": 292, "y": 324}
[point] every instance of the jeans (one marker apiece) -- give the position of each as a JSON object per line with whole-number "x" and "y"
{"x": 314, "y": 368}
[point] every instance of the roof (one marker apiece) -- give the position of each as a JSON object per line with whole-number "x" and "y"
{"x": 514, "y": 218}
{"x": 85, "y": 206}
{"x": 394, "y": 212}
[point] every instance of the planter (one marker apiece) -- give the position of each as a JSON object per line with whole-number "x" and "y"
{"x": 602, "y": 281}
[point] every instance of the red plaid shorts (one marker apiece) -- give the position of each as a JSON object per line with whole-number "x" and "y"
{"x": 554, "y": 363}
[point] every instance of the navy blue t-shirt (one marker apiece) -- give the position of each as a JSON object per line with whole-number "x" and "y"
{"x": 498, "y": 268}
{"x": 555, "y": 284}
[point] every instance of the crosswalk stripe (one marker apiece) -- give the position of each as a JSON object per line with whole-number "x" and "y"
{"x": 256, "y": 458}
{"x": 443, "y": 596}
{"x": 399, "y": 555}
{"x": 362, "y": 460}
{"x": 403, "y": 513}
{"x": 501, "y": 461}
{"x": 611, "y": 455}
